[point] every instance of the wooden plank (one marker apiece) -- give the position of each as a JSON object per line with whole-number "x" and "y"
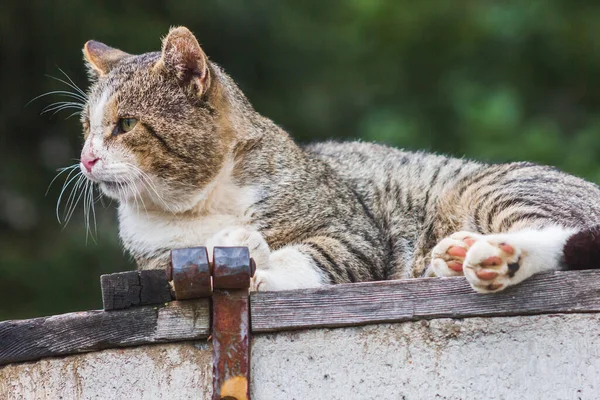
{"x": 94, "y": 330}
{"x": 120, "y": 290}
{"x": 406, "y": 300}
{"x": 334, "y": 306}
{"x": 134, "y": 288}
{"x": 155, "y": 287}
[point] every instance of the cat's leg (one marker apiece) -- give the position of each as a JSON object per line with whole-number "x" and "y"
{"x": 494, "y": 262}
{"x": 284, "y": 269}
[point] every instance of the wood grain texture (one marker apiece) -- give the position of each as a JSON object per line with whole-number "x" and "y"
{"x": 94, "y": 330}
{"x": 406, "y": 300}
{"x": 333, "y": 306}
{"x": 134, "y": 288}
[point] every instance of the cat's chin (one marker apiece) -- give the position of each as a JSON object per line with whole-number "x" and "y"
{"x": 114, "y": 190}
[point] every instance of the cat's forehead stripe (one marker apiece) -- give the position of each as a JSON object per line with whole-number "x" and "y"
{"x": 98, "y": 110}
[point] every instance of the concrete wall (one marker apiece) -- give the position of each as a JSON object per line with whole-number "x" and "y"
{"x": 537, "y": 357}
{"x": 171, "y": 371}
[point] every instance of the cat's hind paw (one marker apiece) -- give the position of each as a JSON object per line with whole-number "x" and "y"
{"x": 490, "y": 265}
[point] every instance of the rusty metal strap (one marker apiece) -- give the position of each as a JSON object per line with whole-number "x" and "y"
{"x": 227, "y": 279}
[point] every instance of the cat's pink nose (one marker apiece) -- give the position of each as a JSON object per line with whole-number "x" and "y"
{"x": 88, "y": 160}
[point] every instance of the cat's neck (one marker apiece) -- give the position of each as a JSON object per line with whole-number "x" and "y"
{"x": 222, "y": 203}
{"x": 222, "y": 196}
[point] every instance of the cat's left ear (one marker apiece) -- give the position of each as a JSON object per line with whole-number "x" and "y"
{"x": 100, "y": 58}
{"x": 184, "y": 58}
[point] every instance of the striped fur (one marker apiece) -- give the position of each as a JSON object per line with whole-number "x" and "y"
{"x": 322, "y": 214}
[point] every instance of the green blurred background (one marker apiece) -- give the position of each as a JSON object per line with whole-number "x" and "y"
{"x": 496, "y": 81}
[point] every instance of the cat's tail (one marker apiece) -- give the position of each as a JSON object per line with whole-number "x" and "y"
{"x": 582, "y": 250}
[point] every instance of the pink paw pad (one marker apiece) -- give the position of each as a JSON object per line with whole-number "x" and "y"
{"x": 457, "y": 251}
{"x": 449, "y": 254}
{"x": 486, "y": 274}
{"x": 507, "y": 248}
{"x": 455, "y": 266}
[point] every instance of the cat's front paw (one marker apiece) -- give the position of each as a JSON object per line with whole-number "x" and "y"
{"x": 260, "y": 281}
{"x": 253, "y": 240}
{"x": 448, "y": 256}
{"x": 490, "y": 265}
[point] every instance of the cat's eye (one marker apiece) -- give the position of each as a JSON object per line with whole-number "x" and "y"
{"x": 126, "y": 124}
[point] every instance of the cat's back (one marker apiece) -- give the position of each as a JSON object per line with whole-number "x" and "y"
{"x": 403, "y": 187}
{"x": 386, "y": 176}
{"x": 363, "y": 160}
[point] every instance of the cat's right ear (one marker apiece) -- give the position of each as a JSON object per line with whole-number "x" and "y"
{"x": 183, "y": 57}
{"x": 100, "y": 58}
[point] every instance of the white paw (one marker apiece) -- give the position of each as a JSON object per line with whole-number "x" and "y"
{"x": 491, "y": 264}
{"x": 256, "y": 243}
{"x": 260, "y": 281}
{"x": 448, "y": 255}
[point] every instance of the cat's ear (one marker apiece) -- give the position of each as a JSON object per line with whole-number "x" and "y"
{"x": 100, "y": 58}
{"x": 184, "y": 58}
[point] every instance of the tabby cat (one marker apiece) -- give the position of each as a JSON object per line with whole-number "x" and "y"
{"x": 172, "y": 131}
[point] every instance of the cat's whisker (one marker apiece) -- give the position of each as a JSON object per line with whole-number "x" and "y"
{"x": 122, "y": 193}
{"x": 135, "y": 192}
{"x": 68, "y": 181}
{"x": 148, "y": 184}
{"x": 99, "y": 197}
{"x": 86, "y": 216}
{"x": 79, "y": 95}
{"x": 71, "y": 199}
{"x": 81, "y": 184}
{"x": 65, "y": 93}
{"x": 74, "y": 114}
{"x": 131, "y": 181}
{"x": 61, "y": 105}
{"x": 60, "y": 172}
{"x": 104, "y": 204}
{"x": 72, "y": 84}
{"x": 131, "y": 193}
{"x": 140, "y": 194}
{"x": 87, "y": 207}
{"x": 93, "y": 208}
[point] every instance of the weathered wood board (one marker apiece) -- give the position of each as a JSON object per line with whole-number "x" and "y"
{"x": 413, "y": 299}
{"x": 134, "y": 288}
{"x": 94, "y": 330}
{"x": 335, "y": 306}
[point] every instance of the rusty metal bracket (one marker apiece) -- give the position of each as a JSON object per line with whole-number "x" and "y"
{"x": 233, "y": 270}
{"x": 190, "y": 271}
{"x": 227, "y": 279}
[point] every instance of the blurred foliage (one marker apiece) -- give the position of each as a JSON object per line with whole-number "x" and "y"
{"x": 495, "y": 81}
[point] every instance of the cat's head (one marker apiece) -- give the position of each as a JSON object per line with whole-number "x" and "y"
{"x": 156, "y": 125}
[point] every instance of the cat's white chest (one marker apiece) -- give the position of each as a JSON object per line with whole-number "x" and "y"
{"x": 146, "y": 234}
{"x": 149, "y": 234}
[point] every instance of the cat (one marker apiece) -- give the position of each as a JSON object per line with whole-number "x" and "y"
{"x": 171, "y": 137}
